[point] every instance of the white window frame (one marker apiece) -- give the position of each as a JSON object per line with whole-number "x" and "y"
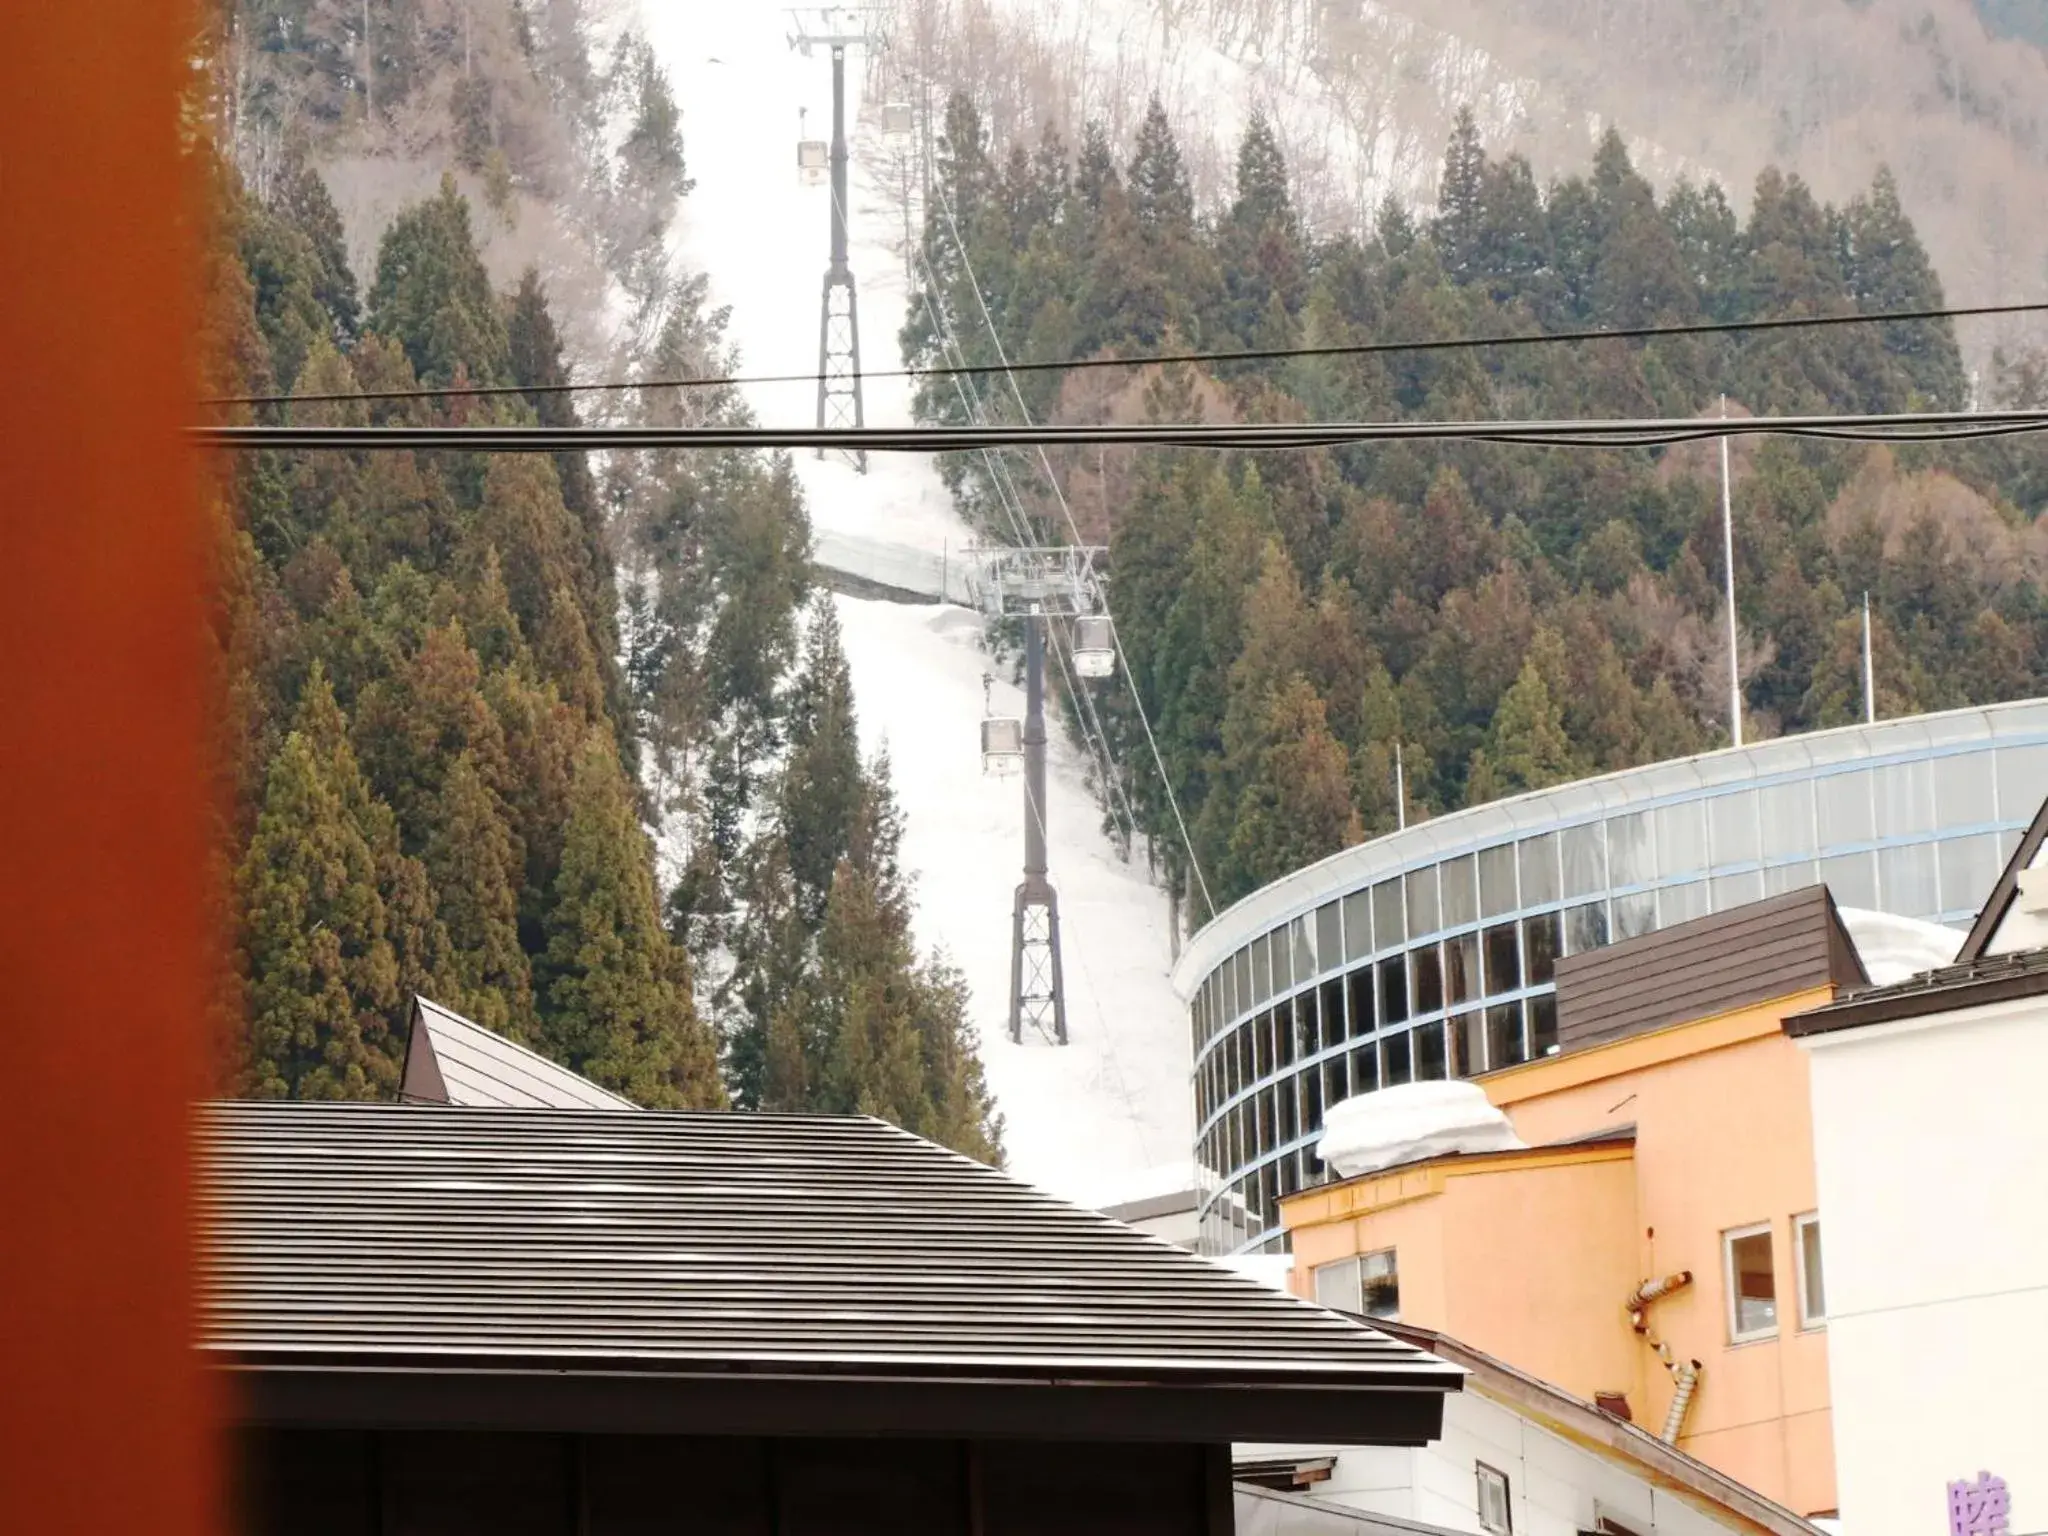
{"x": 1729, "y": 1239}
{"x": 1809, "y": 1322}
{"x": 1481, "y": 1473}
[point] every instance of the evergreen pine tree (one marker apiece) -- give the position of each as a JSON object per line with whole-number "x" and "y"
{"x": 434, "y": 298}
{"x": 323, "y": 976}
{"x": 1527, "y": 747}
{"x": 1295, "y": 804}
{"x": 302, "y": 197}
{"x": 476, "y": 868}
{"x": 617, "y": 996}
{"x": 823, "y": 782}
{"x": 1461, "y": 202}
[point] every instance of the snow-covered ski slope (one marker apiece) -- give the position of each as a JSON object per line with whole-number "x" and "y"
{"x": 1110, "y": 1109}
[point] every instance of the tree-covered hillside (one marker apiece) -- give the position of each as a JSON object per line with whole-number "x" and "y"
{"x": 463, "y": 688}
{"x": 1508, "y": 618}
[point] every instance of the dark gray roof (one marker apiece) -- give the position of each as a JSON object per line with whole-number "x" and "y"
{"x": 1692, "y": 970}
{"x": 450, "y": 1060}
{"x": 1966, "y": 984}
{"x": 599, "y": 1243}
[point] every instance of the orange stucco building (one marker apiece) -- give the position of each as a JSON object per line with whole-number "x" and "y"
{"x": 1670, "y": 1133}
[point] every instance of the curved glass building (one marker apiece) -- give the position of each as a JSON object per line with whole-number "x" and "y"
{"x": 1431, "y": 952}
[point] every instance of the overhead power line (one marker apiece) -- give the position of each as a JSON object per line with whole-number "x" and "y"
{"x": 1913, "y": 426}
{"x": 1162, "y": 359}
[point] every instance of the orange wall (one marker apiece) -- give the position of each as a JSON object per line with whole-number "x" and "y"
{"x": 1724, "y": 1138}
{"x": 1531, "y": 1260}
{"x": 1523, "y": 1256}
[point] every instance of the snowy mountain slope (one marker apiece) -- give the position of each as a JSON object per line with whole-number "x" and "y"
{"x": 1115, "y": 1102}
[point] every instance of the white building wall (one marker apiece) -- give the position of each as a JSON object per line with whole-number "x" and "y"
{"x": 1931, "y": 1144}
{"x": 1556, "y": 1486}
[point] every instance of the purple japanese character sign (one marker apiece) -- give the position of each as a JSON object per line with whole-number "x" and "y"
{"x": 1981, "y": 1508}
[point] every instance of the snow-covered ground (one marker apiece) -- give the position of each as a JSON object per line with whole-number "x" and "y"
{"x": 1086, "y": 1120}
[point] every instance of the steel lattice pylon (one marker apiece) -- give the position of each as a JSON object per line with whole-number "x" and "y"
{"x": 839, "y": 395}
{"x": 1038, "y": 996}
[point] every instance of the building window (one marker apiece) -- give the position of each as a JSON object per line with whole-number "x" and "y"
{"x": 1367, "y": 1285}
{"x": 1813, "y": 1296}
{"x": 1752, "y": 1285}
{"x": 1494, "y": 1512}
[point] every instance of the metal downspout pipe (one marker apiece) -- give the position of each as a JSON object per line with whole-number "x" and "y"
{"x": 1685, "y": 1374}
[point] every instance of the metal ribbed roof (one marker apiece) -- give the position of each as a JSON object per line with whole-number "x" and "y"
{"x": 590, "y": 1240}
{"x": 450, "y": 1060}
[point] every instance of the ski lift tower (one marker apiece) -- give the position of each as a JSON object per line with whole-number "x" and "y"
{"x": 1035, "y": 585}
{"x": 836, "y": 28}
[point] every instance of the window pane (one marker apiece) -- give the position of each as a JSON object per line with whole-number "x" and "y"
{"x": 1283, "y": 1035}
{"x": 1582, "y": 853}
{"x": 1283, "y": 961}
{"x": 1333, "y": 1013}
{"x": 1538, "y": 858}
{"x": 1285, "y": 1101}
{"x": 1358, "y": 987}
{"x": 1426, "y": 978}
{"x": 1262, "y": 972}
{"x": 1681, "y": 837}
{"x": 1843, "y": 802}
{"x": 1393, "y": 990}
{"x": 1852, "y": 879}
{"x": 1430, "y": 1062}
{"x": 1737, "y": 890}
{"x": 1681, "y": 903}
{"x": 1752, "y": 1287}
{"x": 1905, "y": 881}
{"x": 1629, "y": 860}
{"x": 1543, "y": 1025}
{"x": 1540, "y": 947}
{"x": 1422, "y": 902}
{"x": 1336, "y": 1081}
{"x": 1497, "y": 880}
{"x": 1504, "y": 1046}
{"x": 1962, "y": 789}
{"x": 1813, "y": 1299}
{"x": 2022, "y": 774}
{"x": 1732, "y": 829}
{"x": 1467, "y": 1045}
{"x": 1786, "y": 811}
{"x": 1461, "y": 891}
{"x": 1461, "y": 966}
{"x": 1397, "y": 1060}
{"x": 1380, "y": 1285}
{"x": 1357, "y": 925}
{"x": 1307, "y": 1032}
{"x": 1585, "y": 928}
{"x": 1329, "y": 936}
{"x": 1365, "y": 1070}
{"x": 1634, "y": 915}
{"x": 1503, "y": 959}
{"x": 1969, "y": 868}
{"x": 1389, "y": 926}
{"x": 1262, "y": 1045}
{"x": 1781, "y": 878}
{"x": 1905, "y": 799}
{"x": 1303, "y": 931}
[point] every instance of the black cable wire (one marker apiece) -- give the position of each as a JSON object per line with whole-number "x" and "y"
{"x": 1254, "y": 355}
{"x": 1924, "y": 426}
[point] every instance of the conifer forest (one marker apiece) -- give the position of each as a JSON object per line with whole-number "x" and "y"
{"x": 569, "y": 744}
